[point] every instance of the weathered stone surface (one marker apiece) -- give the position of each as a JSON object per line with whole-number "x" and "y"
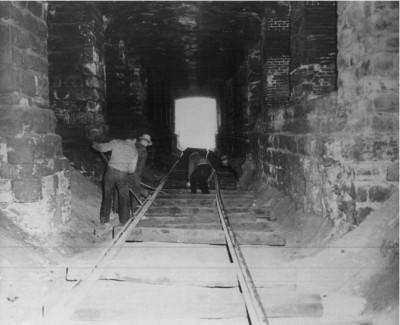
{"x": 379, "y": 193}
{"x": 361, "y": 194}
{"x": 20, "y": 150}
{"x": 393, "y": 172}
{"x": 78, "y": 76}
{"x": 362, "y": 213}
{"x": 5, "y": 191}
{"x": 14, "y": 120}
{"x": 27, "y": 190}
{"x": 29, "y": 149}
{"x": 48, "y": 146}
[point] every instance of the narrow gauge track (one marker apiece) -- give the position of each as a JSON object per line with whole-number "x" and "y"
{"x": 178, "y": 261}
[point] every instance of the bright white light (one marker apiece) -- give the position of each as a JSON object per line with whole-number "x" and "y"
{"x": 196, "y": 122}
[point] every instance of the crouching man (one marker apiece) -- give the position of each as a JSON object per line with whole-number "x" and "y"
{"x": 124, "y": 157}
{"x": 199, "y": 173}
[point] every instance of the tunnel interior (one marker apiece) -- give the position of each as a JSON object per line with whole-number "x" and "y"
{"x": 305, "y": 93}
{"x": 302, "y": 92}
{"x": 150, "y": 54}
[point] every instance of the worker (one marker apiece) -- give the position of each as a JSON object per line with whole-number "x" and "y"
{"x": 199, "y": 173}
{"x": 232, "y": 165}
{"x": 134, "y": 179}
{"x": 123, "y": 161}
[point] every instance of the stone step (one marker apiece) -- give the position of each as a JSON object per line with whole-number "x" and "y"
{"x": 203, "y": 236}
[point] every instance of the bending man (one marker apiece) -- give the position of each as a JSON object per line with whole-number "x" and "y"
{"x": 199, "y": 173}
{"x": 123, "y": 161}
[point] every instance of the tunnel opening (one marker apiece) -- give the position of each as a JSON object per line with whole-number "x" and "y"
{"x": 196, "y": 123}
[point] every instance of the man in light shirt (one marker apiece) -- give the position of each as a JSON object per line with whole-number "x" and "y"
{"x": 123, "y": 161}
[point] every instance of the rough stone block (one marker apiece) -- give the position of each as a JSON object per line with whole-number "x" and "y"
{"x": 8, "y": 79}
{"x": 387, "y": 123}
{"x": 361, "y": 214}
{"x": 36, "y": 8}
{"x": 3, "y": 150}
{"x": 379, "y": 193}
{"x": 49, "y": 187}
{"x": 15, "y": 120}
{"x": 48, "y": 146}
{"x": 61, "y": 164}
{"x": 5, "y": 54}
{"x": 5, "y": 191}
{"x": 288, "y": 143}
{"x": 392, "y": 173}
{"x": 9, "y": 171}
{"x": 5, "y": 11}
{"x": 361, "y": 194}
{"x": 39, "y": 120}
{"x": 27, "y": 21}
{"x": 28, "y": 83}
{"x": 20, "y": 150}
{"x": 27, "y": 190}
{"x": 33, "y": 62}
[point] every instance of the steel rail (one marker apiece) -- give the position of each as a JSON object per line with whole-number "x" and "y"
{"x": 255, "y": 308}
{"x": 61, "y": 312}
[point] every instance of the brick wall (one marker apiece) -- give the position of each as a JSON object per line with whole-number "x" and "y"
{"x": 276, "y": 60}
{"x": 34, "y": 177}
{"x": 76, "y": 69}
{"x": 313, "y": 48}
{"x": 337, "y": 154}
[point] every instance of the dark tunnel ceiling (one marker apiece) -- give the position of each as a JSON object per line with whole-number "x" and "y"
{"x": 191, "y": 43}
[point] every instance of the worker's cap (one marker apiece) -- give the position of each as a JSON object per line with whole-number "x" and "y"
{"x": 146, "y": 138}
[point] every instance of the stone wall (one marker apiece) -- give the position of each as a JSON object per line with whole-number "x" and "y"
{"x": 337, "y": 154}
{"x": 76, "y": 69}
{"x": 34, "y": 177}
{"x": 240, "y": 104}
{"x": 126, "y": 89}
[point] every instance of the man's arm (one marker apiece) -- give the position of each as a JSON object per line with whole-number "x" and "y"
{"x": 103, "y": 147}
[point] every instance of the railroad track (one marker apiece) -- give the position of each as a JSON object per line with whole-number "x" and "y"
{"x": 185, "y": 261}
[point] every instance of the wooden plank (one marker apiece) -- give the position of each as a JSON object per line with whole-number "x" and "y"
{"x": 167, "y": 264}
{"x": 238, "y": 201}
{"x": 174, "y": 235}
{"x": 205, "y": 224}
{"x": 199, "y": 218}
{"x": 132, "y": 303}
{"x": 284, "y": 303}
{"x": 220, "y": 321}
{"x": 180, "y": 210}
{"x": 320, "y": 321}
{"x": 203, "y": 236}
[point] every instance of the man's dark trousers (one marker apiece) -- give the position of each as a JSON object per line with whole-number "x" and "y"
{"x": 115, "y": 178}
{"x": 199, "y": 178}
